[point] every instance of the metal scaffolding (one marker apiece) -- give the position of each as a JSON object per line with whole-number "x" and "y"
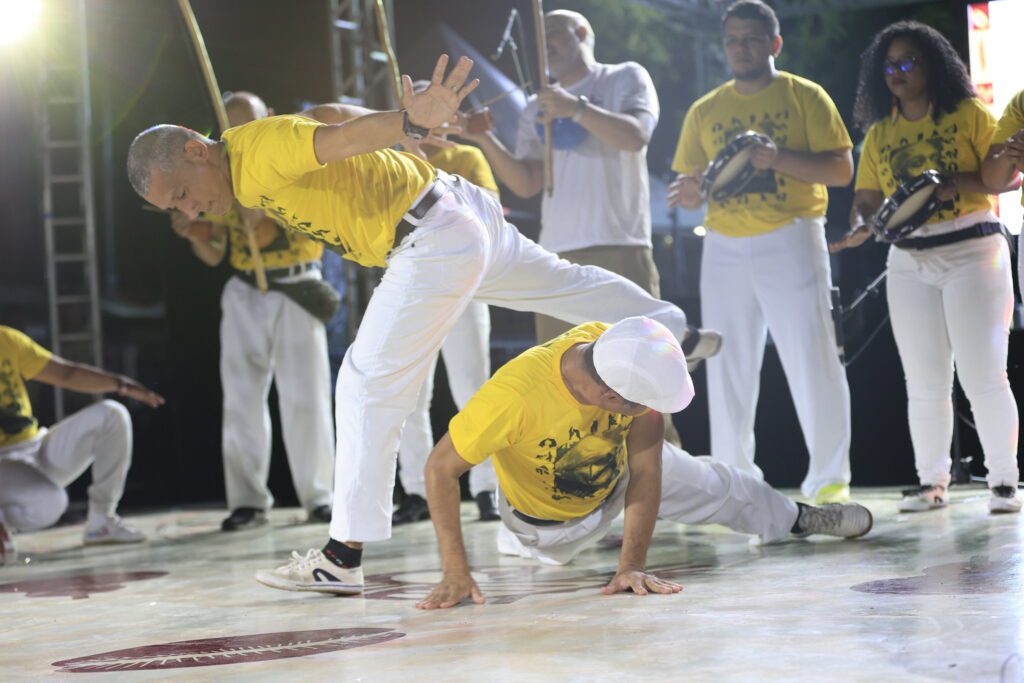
{"x": 68, "y": 216}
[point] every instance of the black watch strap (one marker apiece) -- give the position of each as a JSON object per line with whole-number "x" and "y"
{"x": 411, "y": 129}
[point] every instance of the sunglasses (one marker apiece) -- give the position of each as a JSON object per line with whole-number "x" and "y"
{"x": 904, "y": 65}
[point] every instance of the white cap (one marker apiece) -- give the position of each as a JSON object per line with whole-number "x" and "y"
{"x": 641, "y": 360}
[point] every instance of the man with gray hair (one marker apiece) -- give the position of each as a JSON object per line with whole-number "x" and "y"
{"x": 444, "y": 243}
{"x": 278, "y": 336}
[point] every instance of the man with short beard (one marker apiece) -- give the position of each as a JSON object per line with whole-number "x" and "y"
{"x": 765, "y": 263}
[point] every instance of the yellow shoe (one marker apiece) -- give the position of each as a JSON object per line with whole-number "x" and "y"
{"x": 832, "y": 493}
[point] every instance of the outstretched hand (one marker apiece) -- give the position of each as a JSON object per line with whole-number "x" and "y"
{"x": 439, "y": 103}
{"x": 452, "y": 590}
{"x": 640, "y": 583}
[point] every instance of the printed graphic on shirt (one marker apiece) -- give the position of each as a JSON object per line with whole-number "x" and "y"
{"x": 15, "y": 418}
{"x": 584, "y": 465}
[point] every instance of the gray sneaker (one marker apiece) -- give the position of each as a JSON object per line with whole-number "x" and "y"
{"x": 8, "y": 551}
{"x": 845, "y": 520}
{"x": 700, "y": 345}
{"x": 923, "y": 498}
{"x": 112, "y": 530}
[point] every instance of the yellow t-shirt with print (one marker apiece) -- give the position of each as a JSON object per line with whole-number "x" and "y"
{"x": 354, "y": 203}
{"x": 1010, "y": 122}
{"x": 896, "y": 150}
{"x": 794, "y": 112}
{"x": 20, "y": 359}
{"x": 466, "y": 161}
{"x": 555, "y": 458}
{"x": 288, "y": 248}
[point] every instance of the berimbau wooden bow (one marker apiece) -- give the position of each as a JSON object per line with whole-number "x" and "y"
{"x": 544, "y": 79}
{"x": 192, "y": 26}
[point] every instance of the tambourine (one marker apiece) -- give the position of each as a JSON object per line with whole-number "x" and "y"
{"x": 731, "y": 169}
{"x": 908, "y": 208}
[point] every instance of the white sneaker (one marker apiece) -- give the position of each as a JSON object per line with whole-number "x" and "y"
{"x": 313, "y": 573}
{"x": 1004, "y": 499}
{"x": 112, "y": 530}
{"x": 923, "y": 498}
{"x": 8, "y": 551}
{"x": 708, "y": 343}
{"x": 845, "y": 520}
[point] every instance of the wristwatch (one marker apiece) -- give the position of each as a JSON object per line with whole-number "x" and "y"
{"x": 411, "y": 130}
{"x": 581, "y": 106}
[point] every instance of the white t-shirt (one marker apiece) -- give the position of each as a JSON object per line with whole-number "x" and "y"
{"x": 602, "y": 194}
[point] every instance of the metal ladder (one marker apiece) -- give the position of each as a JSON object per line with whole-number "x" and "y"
{"x": 361, "y": 77}
{"x": 68, "y": 216}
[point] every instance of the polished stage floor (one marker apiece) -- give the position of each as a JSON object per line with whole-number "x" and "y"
{"x": 929, "y": 597}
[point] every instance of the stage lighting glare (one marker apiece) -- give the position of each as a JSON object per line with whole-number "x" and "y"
{"x": 18, "y": 18}
{"x": 700, "y": 231}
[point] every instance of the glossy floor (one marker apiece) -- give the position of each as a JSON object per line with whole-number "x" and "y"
{"x": 929, "y": 597}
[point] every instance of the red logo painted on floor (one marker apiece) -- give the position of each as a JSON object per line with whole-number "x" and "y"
{"x": 259, "y": 647}
{"x": 77, "y": 586}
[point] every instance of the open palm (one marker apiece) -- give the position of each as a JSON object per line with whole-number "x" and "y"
{"x": 439, "y": 103}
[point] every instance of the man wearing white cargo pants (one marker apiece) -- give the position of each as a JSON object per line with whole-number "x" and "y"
{"x": 467, "y": 359}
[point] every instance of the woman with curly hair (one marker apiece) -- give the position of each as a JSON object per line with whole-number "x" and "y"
{"x": 949, "y": 284}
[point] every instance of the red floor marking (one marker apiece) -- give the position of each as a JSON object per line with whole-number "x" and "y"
{"x": 259, "y": 647}
{"x": 77, "y": 586}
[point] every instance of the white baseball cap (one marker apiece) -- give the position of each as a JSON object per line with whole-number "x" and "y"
{"x": 641, "y": 360}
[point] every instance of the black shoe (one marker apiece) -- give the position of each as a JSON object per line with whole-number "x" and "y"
{"x": 412, "y": 509}
{"x": 321, "y": 514}
{"x": 485, "y": 504}
{"x": 244, "y": 518}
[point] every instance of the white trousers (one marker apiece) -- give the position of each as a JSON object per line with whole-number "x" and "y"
{"x": 955, "y": 302}
{"x": 467, "y": 361}
{"x": 778, "y": 282}
{"x": 264, "y": 337}
{"x": 693, "y": 491}
{"x": 33, "y": 475}
{"x": 462, "y": 250}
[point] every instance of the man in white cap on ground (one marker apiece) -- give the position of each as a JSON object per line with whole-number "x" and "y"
{"x": 576, "y": 433}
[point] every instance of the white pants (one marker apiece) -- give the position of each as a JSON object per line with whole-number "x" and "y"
{"x": 263, "y": 337}
{"x": 462, "y": 250}
{"x": 693, "y": 491}
{"x": 956, "y": 301}
{"x": 33, "y": 475}
{"x": 467, "y": 360}
{"x": 778, "y": 282}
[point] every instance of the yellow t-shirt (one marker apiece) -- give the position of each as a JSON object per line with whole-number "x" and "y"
{"x": 1010, "y": 122}
{"x": 20, "y": 359}
{"x": 896, "y": 150}
{"x": 466, "y": 161}
{"x": 354, "y": 203}
{"x": 794, "y": 112}
{"x": 289, "y": 248}
{"x": 555, "y": 458}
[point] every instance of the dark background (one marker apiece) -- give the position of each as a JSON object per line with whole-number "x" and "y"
{"x": 161, "y": 305}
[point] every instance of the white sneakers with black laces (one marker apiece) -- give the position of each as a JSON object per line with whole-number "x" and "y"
{"x": 109, "y": 530}
{"x": 313, "y": 573}
{"x": 923, "y": 498}
{"x": 1004, "y": 499}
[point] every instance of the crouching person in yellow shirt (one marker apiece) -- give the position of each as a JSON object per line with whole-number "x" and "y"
{"x": 37, "y": 463}
{"x": 575, "y": 431}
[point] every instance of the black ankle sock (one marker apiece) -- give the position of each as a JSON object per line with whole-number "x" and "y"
{"x": 797, "y": 529}
{"x": 343, "y": 556}
{"x": 690, "y": 343}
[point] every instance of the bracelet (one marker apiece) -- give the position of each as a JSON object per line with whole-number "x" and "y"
{"x": 581, "y": 108}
